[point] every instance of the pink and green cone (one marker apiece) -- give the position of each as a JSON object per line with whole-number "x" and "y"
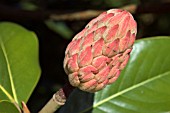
{"x": 97, "y": 54}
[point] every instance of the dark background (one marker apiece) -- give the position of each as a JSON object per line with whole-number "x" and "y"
{"x": 54, "y": 33}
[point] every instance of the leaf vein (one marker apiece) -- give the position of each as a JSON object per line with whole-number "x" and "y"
{"x": 9, "y": 72}
{"x": 7, "y": 94}
{"x": 130, "y": 88}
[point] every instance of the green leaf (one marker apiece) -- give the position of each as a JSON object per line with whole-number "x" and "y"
{"x": 8, "y": 107}
{"x": 143, "y": 86}
{"x": 120, "y": 3}
{"x": 27, "y": 5}
{"x": 19, "y": 65}
{"x": 60, "y": 28}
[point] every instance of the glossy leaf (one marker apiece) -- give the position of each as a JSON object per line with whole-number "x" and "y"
{"x": 143, "y": 87}
{"x": 19, "y": 65}
{"x": 8, "y": 107}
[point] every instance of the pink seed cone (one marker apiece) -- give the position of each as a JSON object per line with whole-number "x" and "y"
{"x": 97, "y": 54}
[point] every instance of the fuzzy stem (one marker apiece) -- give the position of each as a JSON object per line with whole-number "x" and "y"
{"x": 58, "y": 99}
{"x": 25, "y": 108}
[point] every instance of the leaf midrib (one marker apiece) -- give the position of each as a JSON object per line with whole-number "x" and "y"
{"x": 131, "y": 88}
{"x": 126, "y": 90}
{"x": 9, "y": 71}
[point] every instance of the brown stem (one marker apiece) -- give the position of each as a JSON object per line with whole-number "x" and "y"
{"x": 82, "y": 15}
{"x": 58, "y": 99}
{"x": 12, "y": 13}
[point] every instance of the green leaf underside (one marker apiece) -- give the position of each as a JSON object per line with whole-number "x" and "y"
{"x": 8, "y": 107}
{"x": 7, "y": 94}
{"x": 19, "y": 66}
{"x": 143, "y": 86}
{"x": 9, "y": 73}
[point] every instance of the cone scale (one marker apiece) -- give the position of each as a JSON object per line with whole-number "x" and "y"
{"x": 96, "y": 55}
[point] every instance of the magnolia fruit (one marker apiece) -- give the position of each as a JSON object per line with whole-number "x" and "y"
{"x": 97, "y": 54}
